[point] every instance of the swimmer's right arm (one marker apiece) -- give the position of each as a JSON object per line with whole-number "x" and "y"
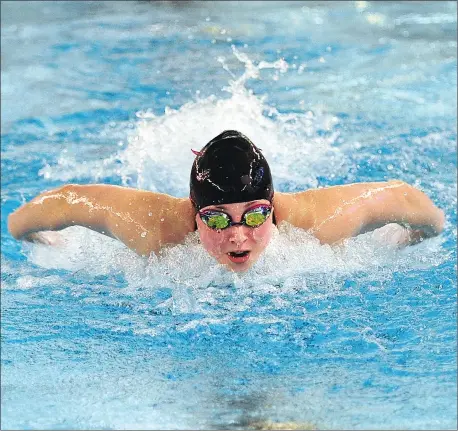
{"x": 144, "y": 221}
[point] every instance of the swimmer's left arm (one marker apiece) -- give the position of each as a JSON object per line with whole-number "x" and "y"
{"x": 335, "y": 213}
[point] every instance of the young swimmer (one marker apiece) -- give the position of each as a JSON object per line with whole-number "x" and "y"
{"x": 233, "y": 206}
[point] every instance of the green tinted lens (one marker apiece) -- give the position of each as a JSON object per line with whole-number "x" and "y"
{"x": 217, "y": 221}
{"x": 255, "y": 218}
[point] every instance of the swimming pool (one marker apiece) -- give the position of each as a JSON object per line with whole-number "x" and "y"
{"x": 357, "y": 337}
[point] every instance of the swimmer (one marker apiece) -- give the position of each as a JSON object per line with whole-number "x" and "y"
{"x": 232, "y": 205}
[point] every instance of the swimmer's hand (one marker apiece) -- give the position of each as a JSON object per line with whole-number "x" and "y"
{"x": 396, "y": 235}
{"x": 46, "y": 238}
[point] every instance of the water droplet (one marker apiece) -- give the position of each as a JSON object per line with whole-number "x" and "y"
{"x": 162, "y": 219}
{"x": 143, "y": 234}
{"x": 150, "y": 214}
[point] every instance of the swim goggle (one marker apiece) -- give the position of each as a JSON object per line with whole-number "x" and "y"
{"x": 253, "y": 217}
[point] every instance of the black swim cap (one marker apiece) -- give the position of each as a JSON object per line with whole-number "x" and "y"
{"x": 230, "y": 169}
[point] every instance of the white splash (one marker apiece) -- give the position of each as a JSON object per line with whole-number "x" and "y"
{"x": 158, "y": 154}
{"x": 292, "y": 254}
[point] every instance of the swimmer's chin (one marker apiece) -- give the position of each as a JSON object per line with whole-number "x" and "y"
{"x": 238, "y": 267}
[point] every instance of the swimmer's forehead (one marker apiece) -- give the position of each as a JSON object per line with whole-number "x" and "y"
{"x": 238, "y": 206}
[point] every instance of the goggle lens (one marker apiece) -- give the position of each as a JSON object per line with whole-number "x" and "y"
{"x": 255, "y": 217}
{"x": 217, "y": 221}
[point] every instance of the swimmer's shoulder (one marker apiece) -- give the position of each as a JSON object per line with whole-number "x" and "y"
{"x": 295, "y": 208}
{"x": 308, "y": 208}
{"x": 171, "y": 217}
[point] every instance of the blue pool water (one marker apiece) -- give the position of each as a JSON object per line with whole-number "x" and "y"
{"x": 361, "y": 336}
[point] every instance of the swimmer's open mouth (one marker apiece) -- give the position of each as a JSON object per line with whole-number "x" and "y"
{"x": 238, "y": 253}
{"x": 239, "y": 256}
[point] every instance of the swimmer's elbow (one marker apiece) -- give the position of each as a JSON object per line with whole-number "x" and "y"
{"x": 428, "y": 230}
{"x": 440, "y": 221}
{"x": 14, "y": 226}
{"x": 421, "y": 214}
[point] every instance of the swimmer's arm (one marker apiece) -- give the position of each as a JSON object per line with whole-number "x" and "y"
{"x": 143, "y": 220}
{"x": 335, "y": 213}
{"x": 407, "y": 206}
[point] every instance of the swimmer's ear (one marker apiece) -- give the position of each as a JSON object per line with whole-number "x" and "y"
{"x": 197, "y": 153}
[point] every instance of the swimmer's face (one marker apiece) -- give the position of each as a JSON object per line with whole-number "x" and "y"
{"x": 237, "y": 247}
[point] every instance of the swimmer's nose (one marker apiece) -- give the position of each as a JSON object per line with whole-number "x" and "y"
{"x": 237, "y": 234}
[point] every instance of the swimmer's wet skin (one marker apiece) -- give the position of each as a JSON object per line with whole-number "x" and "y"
{"x": 232, "y": 205}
